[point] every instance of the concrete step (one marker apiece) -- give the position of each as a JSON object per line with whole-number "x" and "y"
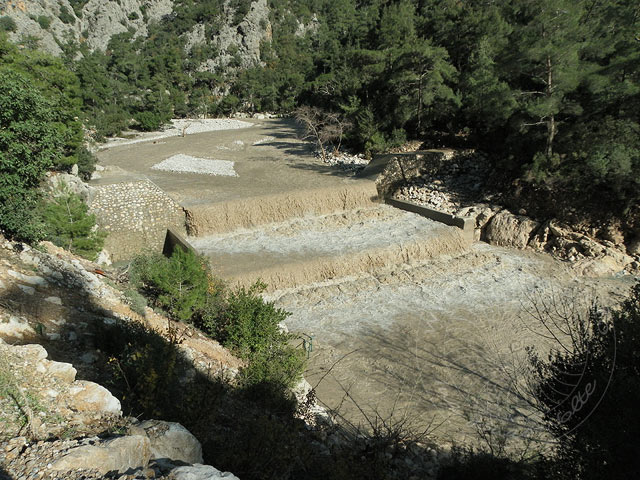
{"x": 316, "y": 248}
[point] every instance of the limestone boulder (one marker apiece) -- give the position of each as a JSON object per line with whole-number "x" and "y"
{"x": 201, "y": 472}
{"x": 12, "y": 327}
{"x": 61, "y": 371}
{"x": 508, "y": 230}
{"x": 61, "y": 183}
{"x": 121, "y": 454}
{"x": 86, "y": 396}
{"x": 172, "y": 441}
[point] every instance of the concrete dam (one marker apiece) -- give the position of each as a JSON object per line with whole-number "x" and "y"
{"x": 408, "y": 318}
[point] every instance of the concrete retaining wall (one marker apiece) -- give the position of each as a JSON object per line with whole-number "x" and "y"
{"x": 466, "y": 224}
{"x": 136, "y": 215}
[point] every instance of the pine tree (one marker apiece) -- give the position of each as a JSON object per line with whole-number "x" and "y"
{"x": 69, "y": 225}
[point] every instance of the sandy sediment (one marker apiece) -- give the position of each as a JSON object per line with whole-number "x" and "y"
{"x": 449, "y": 241}
{"x": 246, "y": 213}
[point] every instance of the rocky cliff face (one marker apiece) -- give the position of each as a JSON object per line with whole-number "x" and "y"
{"x": 49, "y": 24}
{"x": 238, "y": 45}
{"x": 52, "y": 23}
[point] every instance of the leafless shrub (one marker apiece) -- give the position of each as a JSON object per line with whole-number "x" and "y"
{"x": 322, "y": 127}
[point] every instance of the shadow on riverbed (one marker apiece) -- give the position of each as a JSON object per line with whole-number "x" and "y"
{"x": 254, "y": 432}
{"x": 459, "y": 385}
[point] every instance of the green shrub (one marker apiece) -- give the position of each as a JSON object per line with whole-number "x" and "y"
{"x": 7, "y": 24}
{"x": 86, "y": 162}
{"x": 108, "y": 122}
{"x": 250, "y": 322}
{"x": 44, "y": 22}
{"x": 252, "y": 331}
{"x": 135, "y": 300}
{"x": 178, "y": 284}
{"x": 273, "y": 370}
{"x": 66, "y": 16}
{"x": 149, "y": 121}
{"x": 68, "y": 224}
{"x": 30, "y": 142}
{"x": 599, "y": 371}
{"x": 241, "y": 319}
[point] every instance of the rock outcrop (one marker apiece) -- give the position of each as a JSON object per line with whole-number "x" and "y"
{"x": 152, "y": 449}
{"x": 238, "y": 45}
{"x": 53, "y": 420}
{"x": 51, "y": 23}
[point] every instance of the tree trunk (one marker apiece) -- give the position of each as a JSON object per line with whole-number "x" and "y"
{"x": 420, "y": 103}
{"x": 551, "y": 122}
{"x": 551, "y": 133}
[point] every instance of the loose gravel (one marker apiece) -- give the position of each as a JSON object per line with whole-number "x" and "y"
{"x": 182, "y": 127}
{"x": 187, "y": 164}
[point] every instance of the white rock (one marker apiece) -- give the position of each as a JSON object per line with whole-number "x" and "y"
{"x": 15, "y": 327}
{"x": 62, "y": 371}
{"x": 104, "y": 258}
{"x": 508, "y": 230}
{"x": 29, "y": 258}
{"x": 54, "y": 300}
{"x": 88, "y": 396}
{"x": 201, "y": 472}
{"x": 34, "y": 352}
{"x": 30, "y": 279}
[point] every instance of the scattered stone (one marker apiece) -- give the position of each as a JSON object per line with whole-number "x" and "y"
{"x": 187, "y": 164}
{"x": 26, "y": 289}
{"x": 34, "y": 280}
{"x": 54, "y": 300}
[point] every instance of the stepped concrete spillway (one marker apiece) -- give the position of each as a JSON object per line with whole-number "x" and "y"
{"x": 408, "y": 319}
{"x": 314, "y": 248}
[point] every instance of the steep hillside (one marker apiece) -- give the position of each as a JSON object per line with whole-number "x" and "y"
{"x": 233, "y": 30}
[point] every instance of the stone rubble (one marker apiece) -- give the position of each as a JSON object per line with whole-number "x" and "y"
{"x": 457, "y": 188}
{"x": 345, "y": 161}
